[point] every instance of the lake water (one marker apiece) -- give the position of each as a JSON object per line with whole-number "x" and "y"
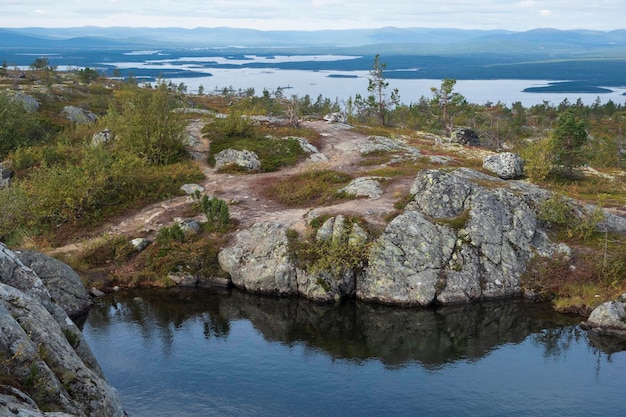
{"x": 232, "y": 72}
{"x": 228, "y": 353}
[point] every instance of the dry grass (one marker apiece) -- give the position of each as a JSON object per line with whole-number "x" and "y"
{"x": 318, "y": 187}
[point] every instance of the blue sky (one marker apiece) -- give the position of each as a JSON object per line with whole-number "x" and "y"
{"x": 317, "y": 14}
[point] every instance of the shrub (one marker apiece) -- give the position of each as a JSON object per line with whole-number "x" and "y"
{"x": 216, "y": 212}
{"x": 457, "y": 223}
{"x": 234, "y": 125}
{"x": 167, "y": 236}
{"x": 17, "y": 126}
{"x": 82, "y": 187}
{"x": 147, "y": 125}
{"x": 537, "y": 156}
{"x": 335, "y": 256}
{"x": 564, "y": 218}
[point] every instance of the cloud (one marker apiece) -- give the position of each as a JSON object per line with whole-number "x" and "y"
{"x": 527, "y": 3}
{"x": 316, "y": 14}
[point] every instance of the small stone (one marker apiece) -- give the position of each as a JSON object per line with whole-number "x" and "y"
{"x": 140, "y": 243}
{"x": 95, "y": 292}
{"x": 191, "y": 189}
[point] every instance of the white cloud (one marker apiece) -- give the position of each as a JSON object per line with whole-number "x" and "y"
{"x": 527, "y": 3}
{"x": 315, "y": 14}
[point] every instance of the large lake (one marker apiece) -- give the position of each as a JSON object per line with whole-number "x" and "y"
{"x": 228, "y": 353}
{"x": 239, "y": 73}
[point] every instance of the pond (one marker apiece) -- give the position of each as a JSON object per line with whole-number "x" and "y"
{"x": 228, "y": 353}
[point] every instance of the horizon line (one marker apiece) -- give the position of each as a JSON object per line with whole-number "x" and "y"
{"x": 314, "y": 30}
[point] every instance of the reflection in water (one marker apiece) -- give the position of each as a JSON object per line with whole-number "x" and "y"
{"x": 228, "y": 353}
{"x": 350, "y": 330}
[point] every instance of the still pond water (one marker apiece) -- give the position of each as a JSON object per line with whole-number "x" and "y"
{"x": 227, "y": 353}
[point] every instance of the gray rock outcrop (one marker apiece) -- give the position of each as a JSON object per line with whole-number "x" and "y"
{"x": 506, "y": 165}
{"x": 260, "y": 261}
{"x": 375, "y": 144}
{"x": 465, "y": 236}
{"x": 64, "y": 285}
{"x": 245, "y": 159}
{"x": 102, "y": 137}
{"x": 465, "y": 136}
{"x": 314, "y": 154}
{"x": 43, "y": 350}
{"x": 30, "y": 103}
{"x": 457, "y": 242}
{"x": 80, "y": 116}
{"x": 364, "y": 187}
{"x": 5, "y": 176}
{"x": 336, "y": 117}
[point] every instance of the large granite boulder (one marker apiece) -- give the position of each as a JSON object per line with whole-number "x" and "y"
{"x": 78, "y": 115}
{"x": 465, "y": 136}
{"x": 364, "y": 187}
{"x": 64, "y": 285}
{"x": 506, "y": 165}
{"x": 245, "y": 159}
{"x": 608, "y": 319}
{"x": 30, "y": 103}
{"x": 259, "y": 261}
{"x": 457, "y": 242}
{"x": 44, "y": 352}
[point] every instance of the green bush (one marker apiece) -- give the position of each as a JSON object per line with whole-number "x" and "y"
{"x": 335, "y": 256}
{"x": 564, "y": 218}
{"x": 234, "y": 125}
{"x": 146, "y": 125}
{"x": 17, "y": 126}
{"x": 538, "y": 158}
{"x": 84, "y": 188}
{"x": 217, "y": 213}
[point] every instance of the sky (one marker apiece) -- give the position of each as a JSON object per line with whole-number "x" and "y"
{"x": 516, "y": 15}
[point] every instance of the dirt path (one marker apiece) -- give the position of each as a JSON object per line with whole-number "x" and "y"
{"x": 339, "y": 144}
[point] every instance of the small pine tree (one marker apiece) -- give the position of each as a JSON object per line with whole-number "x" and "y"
{"x": 379, "y": 102}
{"x": 216, "y": 211}
{"x": 567, "y": 141}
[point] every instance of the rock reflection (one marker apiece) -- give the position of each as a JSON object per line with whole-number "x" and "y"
{"x": 348, "y": 331}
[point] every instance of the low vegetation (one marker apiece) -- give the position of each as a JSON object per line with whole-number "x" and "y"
{"x": 65, "y": 186}
{"x": 593, "y": 273}
{"x": 239, "y": 133}
{"x": 335, "y": 256}
{"x": 309, "y": 189}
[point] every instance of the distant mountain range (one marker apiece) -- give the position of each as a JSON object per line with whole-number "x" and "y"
{"x": 577, "y": 60}
{"x": 403, "y": 39}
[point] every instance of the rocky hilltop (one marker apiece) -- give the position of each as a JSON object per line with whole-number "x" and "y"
{"x": 464, "y": 236}
{"x": 46, "y": 363}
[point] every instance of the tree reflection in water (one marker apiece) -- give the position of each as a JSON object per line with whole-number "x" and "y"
{"x": 349, "y": 330}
